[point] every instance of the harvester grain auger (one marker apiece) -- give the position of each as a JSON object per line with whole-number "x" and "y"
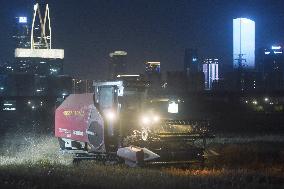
{"x": 116, "y": 123}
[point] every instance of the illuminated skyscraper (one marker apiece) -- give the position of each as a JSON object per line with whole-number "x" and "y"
{"x": 117, "y": 64}
{"x": 243, "y": 43}
{"x": 211, "y": 72}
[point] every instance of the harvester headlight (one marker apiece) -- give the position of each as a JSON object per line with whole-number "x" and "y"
{"x": 173, "y": 107}
{"x": 146, "y": 120}
{"x": 110, "y": 115}
{"x": 156, "y": 119}
{"x": 150, "y": 119}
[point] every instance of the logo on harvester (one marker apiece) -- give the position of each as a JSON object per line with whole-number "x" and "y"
{"x": 74, "y": 113}
{"x": 90, "y": 133}
{"x": 78, "y": 133}
{"x": 65, "y": 131}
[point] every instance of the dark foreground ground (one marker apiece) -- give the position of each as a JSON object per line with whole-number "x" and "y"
{"x": 243, "y": 162}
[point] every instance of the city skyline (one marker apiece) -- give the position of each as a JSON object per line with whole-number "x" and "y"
{"x": 169, "y": 28}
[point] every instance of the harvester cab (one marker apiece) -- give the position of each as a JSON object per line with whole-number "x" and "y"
{"x": 117, "y": 123}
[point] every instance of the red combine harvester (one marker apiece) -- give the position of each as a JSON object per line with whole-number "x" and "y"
{"x": 118, "y": 122}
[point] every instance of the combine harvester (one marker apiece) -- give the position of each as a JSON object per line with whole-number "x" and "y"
{"x": 119, "y": 123}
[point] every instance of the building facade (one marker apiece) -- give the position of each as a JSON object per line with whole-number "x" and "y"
{"x": 211, "y": 72}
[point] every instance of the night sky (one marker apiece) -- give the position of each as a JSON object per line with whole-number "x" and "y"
{"x": 149, "y": 30}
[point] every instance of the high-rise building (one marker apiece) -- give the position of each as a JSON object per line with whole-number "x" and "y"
{"x": 153, "y": 75}
{"x": 211, "y": 72}
{"x": 272, "y": 67}
{"x": 21, "y": 32}
{"x": 191, "y": 64}
{"x": 243, "y": 43}
{"x": 153, "y": 67}
{"x": 118, "y": 64}
{"x": 273, "y": 59}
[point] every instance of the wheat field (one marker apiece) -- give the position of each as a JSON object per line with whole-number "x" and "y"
{"x": 243, "y": 162}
